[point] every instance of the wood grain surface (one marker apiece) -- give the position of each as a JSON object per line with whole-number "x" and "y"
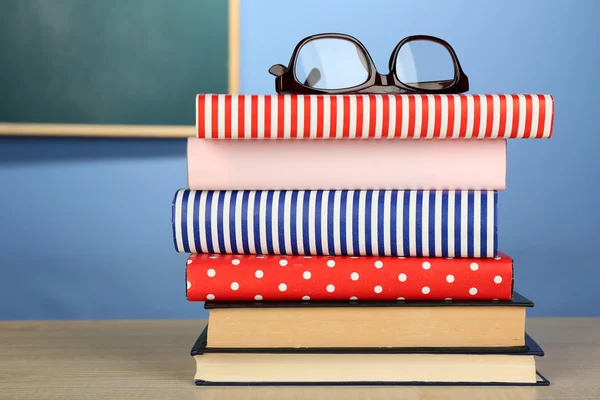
{"x": 150, "y": 359}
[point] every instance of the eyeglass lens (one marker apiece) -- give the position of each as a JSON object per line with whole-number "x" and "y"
{"x": 424, "y": 64}
{"x": 331, "y": 63}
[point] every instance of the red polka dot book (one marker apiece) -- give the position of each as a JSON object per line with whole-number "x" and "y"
{"x": 226, "y": 277}
{"x": 333, "y": 263}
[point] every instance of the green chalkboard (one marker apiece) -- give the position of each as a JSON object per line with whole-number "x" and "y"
{"x": 110, "y": 61}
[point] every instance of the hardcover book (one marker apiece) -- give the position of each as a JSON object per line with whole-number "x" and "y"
{"x": 226, "y": 277}
{"x": 346, "y": 164}
{"x": 399, "y": 223}
{"x": 373, "y": 324}
{"x": 374, "y": 116}
{"x": 306, "y": 366}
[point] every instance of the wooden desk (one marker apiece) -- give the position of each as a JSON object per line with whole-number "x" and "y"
{"x": 150, "y": 360}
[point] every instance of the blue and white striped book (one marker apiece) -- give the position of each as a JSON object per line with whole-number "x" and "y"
{"x": 401, "y": 223}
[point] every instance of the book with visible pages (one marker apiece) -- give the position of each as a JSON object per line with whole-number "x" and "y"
{"x": 347, "y": 366}
{"x": 374, "y": 116}
{"x": 372, "y": 324}
{"x": 230, "y": 277}
{"x": 346, "y": 164}
{"x": 399, "y": 223}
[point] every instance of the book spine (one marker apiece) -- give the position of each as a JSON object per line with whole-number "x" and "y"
{"x": 399, "y": 223}
{"x": 283, "y": 278}
{"x": 346, "y": 164}
{"x": 415, "y": 116}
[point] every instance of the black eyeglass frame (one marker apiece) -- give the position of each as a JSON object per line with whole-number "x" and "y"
{"x": 376, "y": 83}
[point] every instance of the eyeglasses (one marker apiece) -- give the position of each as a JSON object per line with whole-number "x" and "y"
{"x": 335, "y": 63}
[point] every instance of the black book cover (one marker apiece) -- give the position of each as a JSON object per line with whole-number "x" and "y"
{"x": 518, "y": 300}
{"x": 542, "y": 381}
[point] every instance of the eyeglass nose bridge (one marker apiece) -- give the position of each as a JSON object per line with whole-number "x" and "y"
{"x": 381, "y": 79}
{"x": 384, "y": 79}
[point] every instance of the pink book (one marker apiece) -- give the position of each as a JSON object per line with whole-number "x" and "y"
{"x": 374, "y": 116}
{"x": 346, "y": 164}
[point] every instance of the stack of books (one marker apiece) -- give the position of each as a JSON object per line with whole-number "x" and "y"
{"x": 337, "y": 241}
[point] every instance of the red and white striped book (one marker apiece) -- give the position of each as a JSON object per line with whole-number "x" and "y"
{"x": 374, "y": 116}
{"x": 226, "y": 277}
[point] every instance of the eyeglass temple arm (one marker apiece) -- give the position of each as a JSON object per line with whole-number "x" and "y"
{"x": 278, "y": 69}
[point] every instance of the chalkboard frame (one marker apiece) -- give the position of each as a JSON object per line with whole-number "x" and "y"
{"x": 137, "y": 131}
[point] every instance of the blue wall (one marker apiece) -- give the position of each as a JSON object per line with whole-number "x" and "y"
{"x": 85, "y": 229}
{"x": 109, "y": 254}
